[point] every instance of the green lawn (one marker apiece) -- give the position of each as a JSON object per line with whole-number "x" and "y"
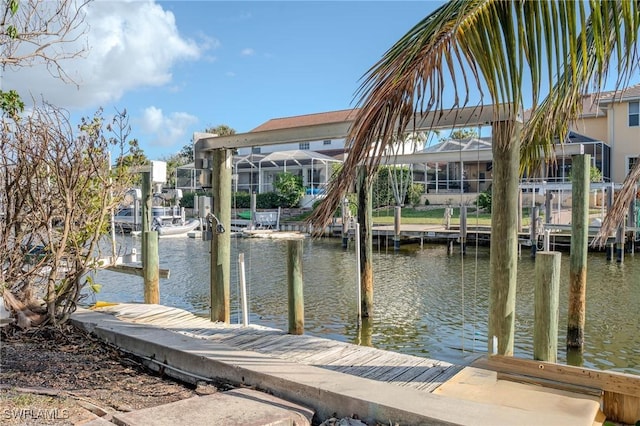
{"x": 431, "y": 216}
{"x": 435, "y": 216}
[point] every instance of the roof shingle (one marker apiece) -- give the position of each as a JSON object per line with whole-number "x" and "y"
{"x": 307, "y": 120}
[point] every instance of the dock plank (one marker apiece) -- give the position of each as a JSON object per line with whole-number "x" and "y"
{"x": 384, "y": 366}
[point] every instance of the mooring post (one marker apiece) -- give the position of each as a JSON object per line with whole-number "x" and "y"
{"x": 151, "y": 268}
{"x": 611, "y": 247}
{"x": 546, "y": 302}
{"x": 620, "y": 244}
{"x": 533, "y": 229}
{"x": 519, "y": 211}
{"x": 365, "y": 219}
{"x": 254, "y": 202}
{"x": 295, "y": 286}
{"x": 146, "y": 204}
{"x": 578, "y": 252}
{"x": 220, "y": 284}
{"x": 463, "y": 229}
{"x": 548, "y": 201}
{"x": 397, "y": 219}
{"x": 150, "y": 258}
{"x": 345, "y": 223}
{"x": 631, "y": 223}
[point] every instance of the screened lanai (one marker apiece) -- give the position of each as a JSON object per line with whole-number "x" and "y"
{"x": 256, "y": 172}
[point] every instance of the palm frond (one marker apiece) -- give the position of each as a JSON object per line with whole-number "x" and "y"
{"x": 610, "y": 31}
{"x": 487, "y": 46}
{"x": 617, "y": 212}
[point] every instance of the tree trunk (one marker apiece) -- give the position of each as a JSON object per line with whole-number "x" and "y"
{"x": 504, "y": 235}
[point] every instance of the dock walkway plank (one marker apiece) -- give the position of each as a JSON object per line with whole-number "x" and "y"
{"x": 363, "y": 361}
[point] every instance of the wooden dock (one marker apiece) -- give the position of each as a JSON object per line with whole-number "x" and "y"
{"x": 326, "y": 374}
{"x": 403, "y": 370}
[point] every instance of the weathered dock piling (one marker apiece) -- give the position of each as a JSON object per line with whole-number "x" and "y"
{"x": 150, "y": 257}
{"x": 221, "y": 241}
{"x": 397, "y": 221}
{"x": 578, "y": 252}
{"x": 546, "y": 310}
{"x": 365, "y": 219}
{"x": 295, "y": 286}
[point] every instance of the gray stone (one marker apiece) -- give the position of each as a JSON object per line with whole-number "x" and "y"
{"x": 237, "y": 407}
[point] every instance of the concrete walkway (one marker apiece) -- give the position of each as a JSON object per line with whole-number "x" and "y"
{"x": 201, "y": 356}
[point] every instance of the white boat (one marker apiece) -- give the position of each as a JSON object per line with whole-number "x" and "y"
{"x": 125, "y": 218}
{"x": 177, "y": 229}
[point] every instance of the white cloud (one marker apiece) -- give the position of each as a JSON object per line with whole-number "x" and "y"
{"x": 247, "y": 52}
{"x": 130, "y": 45}
{"x": 166, "y": 130}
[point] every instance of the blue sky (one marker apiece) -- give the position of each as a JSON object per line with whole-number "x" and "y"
{"x": 181, "y": 66}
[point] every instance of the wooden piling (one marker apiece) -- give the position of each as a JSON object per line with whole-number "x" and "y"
{"x": 151, "y": 268}
{"x": 620, "y": 244}
{"x": 146, "y": 204}
{"x": 253, "y": 204}
{"x": 150, "y": 257}
{"x": 533, "y": 229}
{"x": 546, "y": 311}
{"x": 548, "y": 201}
{"x": 295, "y": 286}
{"x": 611, "y": 247}
{"x": 365, "y": 219}
{"x": 578, "y": 252}
{"x": 221, "y": 241}
{"x": 345, "y": 223}
{"x": 463, "y": 229}
{"x": 397, "y": 220}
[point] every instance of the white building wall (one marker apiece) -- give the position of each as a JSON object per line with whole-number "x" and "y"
{"x": 317, "y": 146}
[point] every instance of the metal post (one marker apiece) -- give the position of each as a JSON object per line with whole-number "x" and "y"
{"x": 243, "y": 290}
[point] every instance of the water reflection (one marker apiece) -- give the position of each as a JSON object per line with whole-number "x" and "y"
{"x": 426, "y": 303}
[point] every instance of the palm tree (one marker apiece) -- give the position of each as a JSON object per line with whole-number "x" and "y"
{"x": 494, "y": 47}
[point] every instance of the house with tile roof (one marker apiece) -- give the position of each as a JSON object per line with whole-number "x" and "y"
{"x": 608, "y": 129}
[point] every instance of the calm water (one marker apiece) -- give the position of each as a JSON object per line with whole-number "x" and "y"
{"x": 426, "y": 303}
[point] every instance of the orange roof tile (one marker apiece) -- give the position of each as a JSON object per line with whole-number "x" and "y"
{"x": 307, "y": 120}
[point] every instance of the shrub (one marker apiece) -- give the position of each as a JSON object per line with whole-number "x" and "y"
{"x": 484, "y": 201}
{"x": 289, "y": 187}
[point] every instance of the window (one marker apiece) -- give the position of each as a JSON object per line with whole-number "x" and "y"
{"x": 304, "y": 145}
{"x": 631, "y": 161}
{"x": 634, "y": 114}
{"x": 327, "y": 142}
{"x": 255, "y": 150}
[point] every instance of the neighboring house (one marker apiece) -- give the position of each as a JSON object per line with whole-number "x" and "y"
{"x": 608, "y": 130}
{"x": 329, "y": 147}
{"x": 614, "y": 118}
